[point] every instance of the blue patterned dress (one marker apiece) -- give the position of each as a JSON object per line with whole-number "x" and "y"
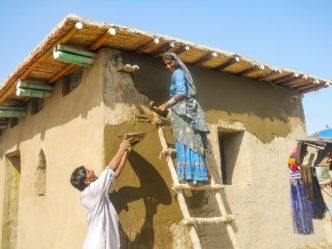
{"x": 189, "y": 130}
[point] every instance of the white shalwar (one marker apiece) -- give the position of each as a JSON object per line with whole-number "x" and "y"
{"x": 103, "y": 228}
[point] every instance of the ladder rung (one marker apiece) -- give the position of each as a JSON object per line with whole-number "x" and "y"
{"x": 183, "y": 186}
{"x": 213, "y": 220}
{"x": 169, "y": 151}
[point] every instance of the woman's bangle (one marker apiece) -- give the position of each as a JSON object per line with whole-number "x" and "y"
{"x": 172, "y": 101}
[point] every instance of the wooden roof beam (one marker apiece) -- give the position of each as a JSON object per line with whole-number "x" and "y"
{"x": 147, "y": 45}
{"x": 163, "y": 49}
{"x": 102, "y": 39}
{"x": 285, "y": 78}
{"x": 315, "y": 88}
{"x": 268, "y": 75}
{"x": 205, "y": 58}
{"x": 181, "y": 49}
{"x": 309, "y": 85}
{"x": 78, "y": 26}
{"x": 97, "y": 44}
{"x": 228, "y": 63}
{"x": 294, "y": 81}
{"x": 251, "y": 70}
{"x": 61, "y": 73}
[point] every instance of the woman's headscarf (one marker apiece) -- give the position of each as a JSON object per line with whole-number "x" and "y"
{"x": 190, "y": 81}
{"x": 189, "y": 107}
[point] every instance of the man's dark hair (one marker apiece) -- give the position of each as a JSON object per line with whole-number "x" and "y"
{"x": 77, "y": 178}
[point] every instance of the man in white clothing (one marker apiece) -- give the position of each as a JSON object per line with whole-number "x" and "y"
{"x": 103, "y": 230}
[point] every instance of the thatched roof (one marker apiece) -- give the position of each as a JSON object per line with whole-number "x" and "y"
{"x": 42, "y": 67}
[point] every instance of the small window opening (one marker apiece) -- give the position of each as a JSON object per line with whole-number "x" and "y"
{"x": 40, "y": 183}
{"x": 71, "y": 82}
{"x": 37, "y": 104}
{"x": 14, "y": 122}
{"x": 233, "y": 165}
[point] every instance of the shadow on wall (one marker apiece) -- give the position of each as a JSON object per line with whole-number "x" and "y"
{"x": 153, "y": 191}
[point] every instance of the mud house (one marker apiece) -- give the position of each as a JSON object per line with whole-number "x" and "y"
{"x": 87, "y": 83}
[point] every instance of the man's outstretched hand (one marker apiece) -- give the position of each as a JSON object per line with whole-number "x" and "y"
{"x": 125, "y": 144}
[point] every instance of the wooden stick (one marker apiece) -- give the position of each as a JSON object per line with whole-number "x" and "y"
{"x": 228, "y": 63}
{"x": 163, "y": 49}
{"x": 314, "y": 88}
{"x": 165, "y": 147}
{"x": 205, "y": 58}
{"x": 25, "y": 84}
{"x": 73, "y": 59}
{"x": 12, "y": 108}
{"x": 72, "y": 50}
{"x": 285, "y": 78}
{"x": 213, "y": 220}
{"x": 223, "y": 211}
{"x": 11, "y": 114}
{"x": 248, "y": 71}
{"x": 294, "y": 81}
{"x": 61, "y": 73}
{"x": 78, "y": 26}
{"x": 265, "y": 76}
{"x": 309, "y": 85}
{"x": 33, "y": 93}
{"x": 181, "y": 49}
{"x": 198, "y": 187}
{"x": 102, "y": 39}
{"x": 147, "y": 45}
{"x": 179, "y": 194}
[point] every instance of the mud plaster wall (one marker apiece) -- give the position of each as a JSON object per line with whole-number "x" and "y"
{"x": 69, "y": 130}
{"x": 271, "y": 118}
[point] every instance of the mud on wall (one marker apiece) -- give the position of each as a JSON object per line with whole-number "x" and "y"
{"x": 266, "y": 111}
{"x": 142, "y": 195}
{"x": 69, "y": 130}
{"x": 271, "y": 119}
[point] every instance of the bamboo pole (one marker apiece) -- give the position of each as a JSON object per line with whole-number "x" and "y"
{"x": 212, "y": 220}
{"x": 198, "y": 187}
{"x": 72, "y": 58}
{"x": 205, "y": 58}
{"x": 61, "y": 73}
{"x": 101, "y": 40}
{"x": 147, "y": 45}
{"x": 179, "y": 194}
{"x": 11, "y": 114}
{"x": 223, "y": 212}
{"x": 33, "y": 93}
{"x": 181, "y": 49}
{"x": 71, "y": 50}
{"x": 25, "y": 84}
{"x": 228, "y": 63}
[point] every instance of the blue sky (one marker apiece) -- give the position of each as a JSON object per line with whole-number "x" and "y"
{"x": 294, "y": 34}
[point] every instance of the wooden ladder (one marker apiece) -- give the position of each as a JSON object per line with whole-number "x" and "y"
{"x": 179, "y": 188}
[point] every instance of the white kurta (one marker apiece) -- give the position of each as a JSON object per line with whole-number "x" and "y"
{"x": 103, "y": 229}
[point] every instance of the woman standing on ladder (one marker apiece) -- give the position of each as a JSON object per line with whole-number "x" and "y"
{"x": 187, "y": 121}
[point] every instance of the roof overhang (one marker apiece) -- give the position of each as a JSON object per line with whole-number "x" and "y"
{"x": 40, "y": 66}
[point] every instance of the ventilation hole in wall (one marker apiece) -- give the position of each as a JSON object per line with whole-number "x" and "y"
{"x": 40, "y": 177}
